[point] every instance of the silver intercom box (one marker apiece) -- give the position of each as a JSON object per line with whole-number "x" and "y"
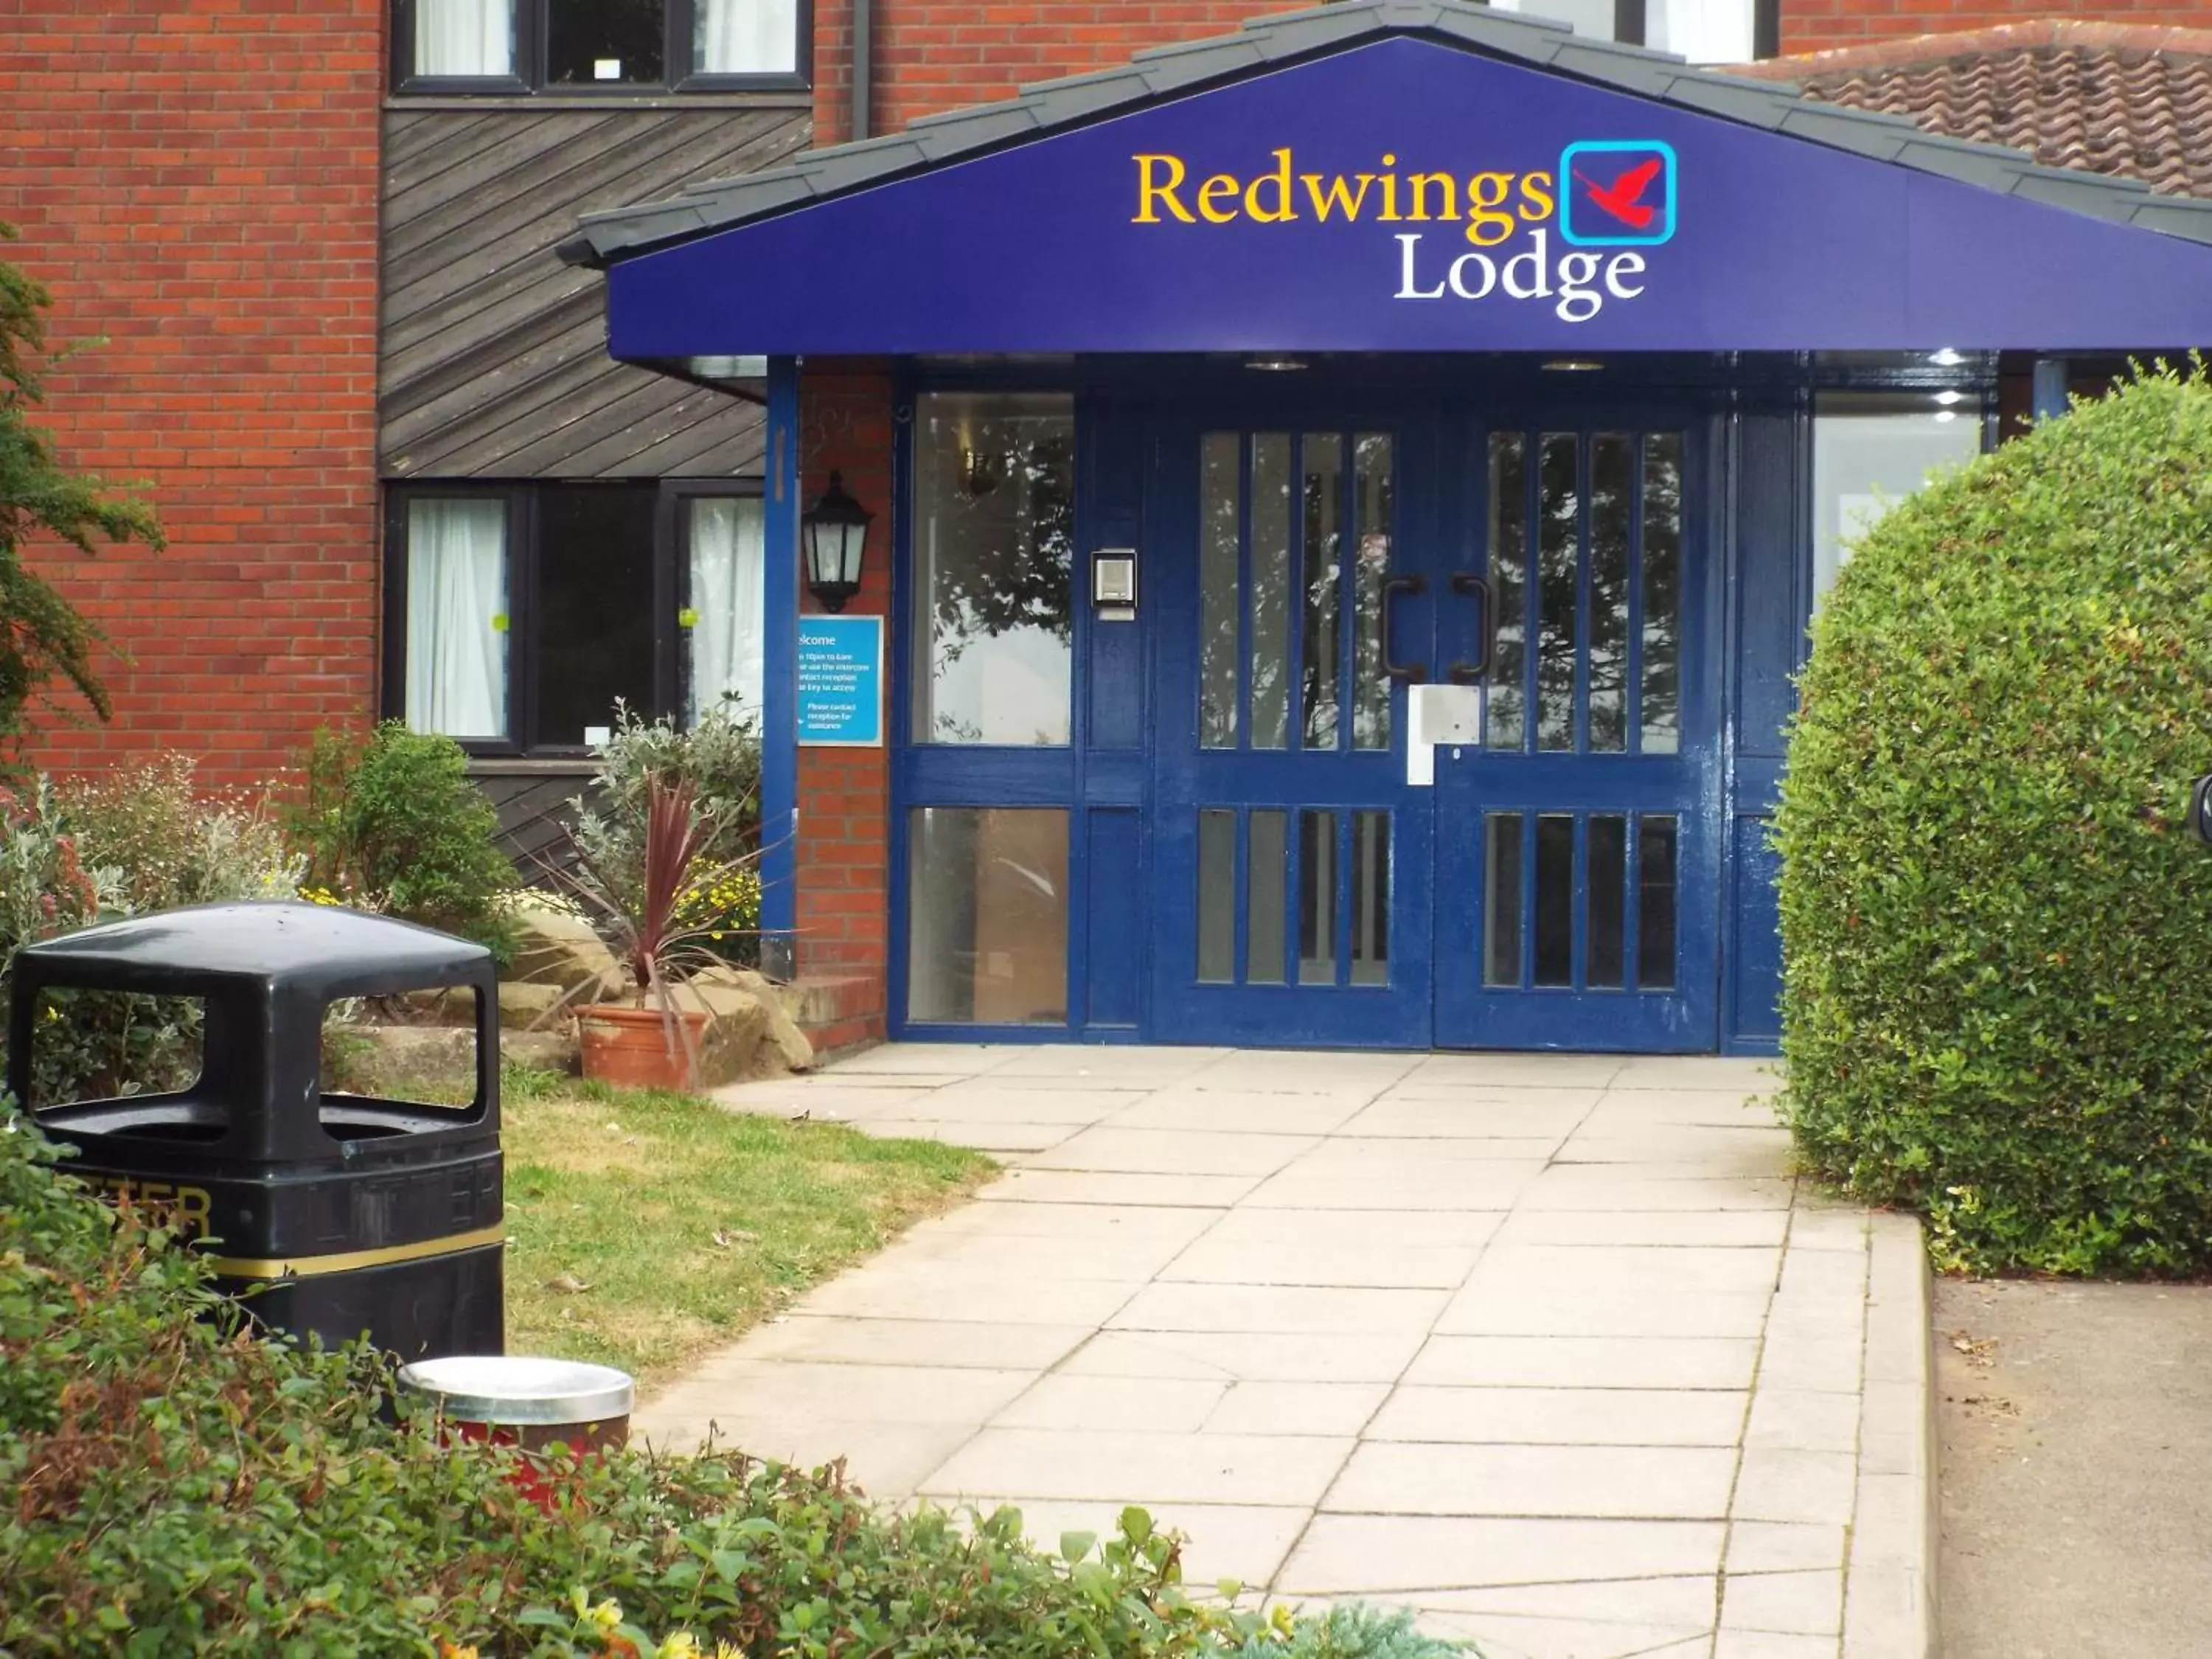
{"x": 1114, "y": 583}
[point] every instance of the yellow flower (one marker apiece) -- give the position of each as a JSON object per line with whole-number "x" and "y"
{"x": 606, "y": 1616}
{"x": 448, "y": 1650}
{"x": 680, "y": 1645}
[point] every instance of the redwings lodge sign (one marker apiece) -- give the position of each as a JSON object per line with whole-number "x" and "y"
{"x": 1572, "y": 236}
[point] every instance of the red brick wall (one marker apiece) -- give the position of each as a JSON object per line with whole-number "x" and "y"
{"x": 196, "y": 180}
{"x": 842, "y": 849}
{"x": 1823, "y": 25}
{"x": 932, "y": 56}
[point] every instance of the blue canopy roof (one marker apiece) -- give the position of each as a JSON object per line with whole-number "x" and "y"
{"x": 1404, "y": 175}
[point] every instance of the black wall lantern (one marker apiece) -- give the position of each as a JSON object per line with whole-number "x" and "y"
{"x": 835, "y": 534}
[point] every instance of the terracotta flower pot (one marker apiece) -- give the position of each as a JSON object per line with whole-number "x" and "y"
{"x": 630, "y": 1048}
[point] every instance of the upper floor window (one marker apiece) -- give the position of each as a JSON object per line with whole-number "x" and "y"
{"x": 1703, "y": 31}
{"x": 584, "y": 46}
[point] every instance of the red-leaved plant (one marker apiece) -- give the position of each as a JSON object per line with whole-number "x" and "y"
{"x": 638, "y": 912}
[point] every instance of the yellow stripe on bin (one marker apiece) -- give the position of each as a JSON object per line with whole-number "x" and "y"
{"x": 345, "y": 1262}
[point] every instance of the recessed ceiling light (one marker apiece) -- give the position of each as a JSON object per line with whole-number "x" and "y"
{"x": 1275, "y": 365}
{"x": 1572, "y": 365}
{"x": 1947, "y": 357}
{"x": 1947, "y": 414}
{"x": 1947, "y": 398}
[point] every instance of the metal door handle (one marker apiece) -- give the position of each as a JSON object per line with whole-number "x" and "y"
{"x": 1404, "y": 673}
{"x": 1471, "y": 673}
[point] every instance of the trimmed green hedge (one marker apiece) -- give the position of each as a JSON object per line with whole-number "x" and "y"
{"x": 174, "y": 1488}
{"x": 1997, "y": 1001}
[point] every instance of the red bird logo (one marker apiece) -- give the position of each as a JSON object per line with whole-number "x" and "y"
{"x": 1622, "y": 198}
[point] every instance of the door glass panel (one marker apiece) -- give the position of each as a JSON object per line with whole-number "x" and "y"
{"x": 1501, "y": 899}
{"x": 1661, "y": 701}
{"x": 1555, "y": 899}
{"x": 1266, "y": 868}
{"x": 1216, "y": 897}
{"x": 1370, "y": 692}
{"x": 1609, "y": 892}
{"x": 1316, "y": 898}
{"x": 1271, "y": 589}
{"x": 1612, "y": 490}
{"x": 988, "y": 922}
{"x": 1654, "y": 901}
{"x": 1220, "y": 510}
{"x": 1370, "y": 898}
{"x": 1509, "y": 587}
{"x": 993, "y": 535}
{"x": 594, "y": 607}
{"x": 1322, "y": 495}
{"x": 1558, "y": 512}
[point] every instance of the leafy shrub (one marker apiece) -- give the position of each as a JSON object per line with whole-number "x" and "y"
{"x": 719, "y": 760}
{"x": 392, "y": 824}
{"x": 125, "y": 843}
{"x": 1997, "y": 1002}
{"x": 175, "y": 1487}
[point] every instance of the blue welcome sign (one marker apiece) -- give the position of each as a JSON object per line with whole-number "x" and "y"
{"x": 1405, "y": 195}
{"x": 840, "y": 681}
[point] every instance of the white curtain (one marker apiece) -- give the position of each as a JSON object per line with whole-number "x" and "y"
{"x": 1703, "y": 31}
{"x": 457, "y": 616}
{"x": 464, "y": 37}
{"x": 727, "y": 602}
{"x": 747, "y": 37}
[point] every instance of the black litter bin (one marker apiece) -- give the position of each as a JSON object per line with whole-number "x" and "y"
{"x": 331, "y": 1213}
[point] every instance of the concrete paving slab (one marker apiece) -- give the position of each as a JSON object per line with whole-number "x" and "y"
{"x": 1660, "y": 1483}
{"x": 1177, "y": 1468}
{"x": 1566, "y": 1417}
{"x": 1549, "y": 1347}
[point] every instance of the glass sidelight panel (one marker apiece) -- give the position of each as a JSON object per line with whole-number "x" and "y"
{"x": 1370, "y": 898}
{"x": 1612, "y": 492}
{"x": 1316, "y": 898}
{"x": 1654, "y": 901}
{"x": 1501, "y": 899}
{"x": 1322, "y": 497}
{"x": 1271, "y": 582}
{"x": 1221, "y": 510}
{"x": 993, "y": 544}
{"x": 987, "y": 915}
{"x": 1662, "y": 593}
{"x": 1559, "y": 606}
{"x": 1370, "y": 692}
{"x": 1509, "y": 585}
{"x": 1608, "y": 899}
{"x": 1216, "y": 897}
{"x": 1266, "y": 875}
{"x": 1555, "y": 899}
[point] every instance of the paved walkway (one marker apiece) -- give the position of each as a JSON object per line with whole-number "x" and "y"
{"x": 1548, "y": 1346}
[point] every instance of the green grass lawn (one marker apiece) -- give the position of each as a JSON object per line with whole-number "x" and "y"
{"x": 683, "y": 1223}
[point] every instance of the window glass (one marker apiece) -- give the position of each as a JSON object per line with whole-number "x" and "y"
{"x": 745, "y": 37}
{"x": 723, "y": 612}
{"x": 594, "y": 607}
{"x": 605, "y": 41}
{"x": 457, "y": 615}
{"x": 1870, "y": 450}
{"x": 987, "y": 912}
{"x": 1703, "y": 31}
{"x": 995, "y": 527}
{"x": 458, "y": 38}
{"x": 1592, "y": 19}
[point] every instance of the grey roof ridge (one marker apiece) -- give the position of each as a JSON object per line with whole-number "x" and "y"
{"x": 1272, "y": 41}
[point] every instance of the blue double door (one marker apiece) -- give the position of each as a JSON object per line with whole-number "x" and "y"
{"x": 1546, "y": 875}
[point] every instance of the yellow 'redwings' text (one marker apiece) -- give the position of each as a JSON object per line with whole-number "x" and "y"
{"x": 1506, "y": 215}
{"x": 1492, "y": 205}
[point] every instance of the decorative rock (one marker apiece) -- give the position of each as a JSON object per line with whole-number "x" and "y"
{"x": 556, "y": 949}
{"x": 523, "y": 1004}
{"x": 737, "y": 1021}
{"x": 789, "y": 1043}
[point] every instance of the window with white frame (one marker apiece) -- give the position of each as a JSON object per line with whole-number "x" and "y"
{"x": 1703, "y": 31}
{"x": 584, "y": 46}
{"x": 522, "y": 614}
